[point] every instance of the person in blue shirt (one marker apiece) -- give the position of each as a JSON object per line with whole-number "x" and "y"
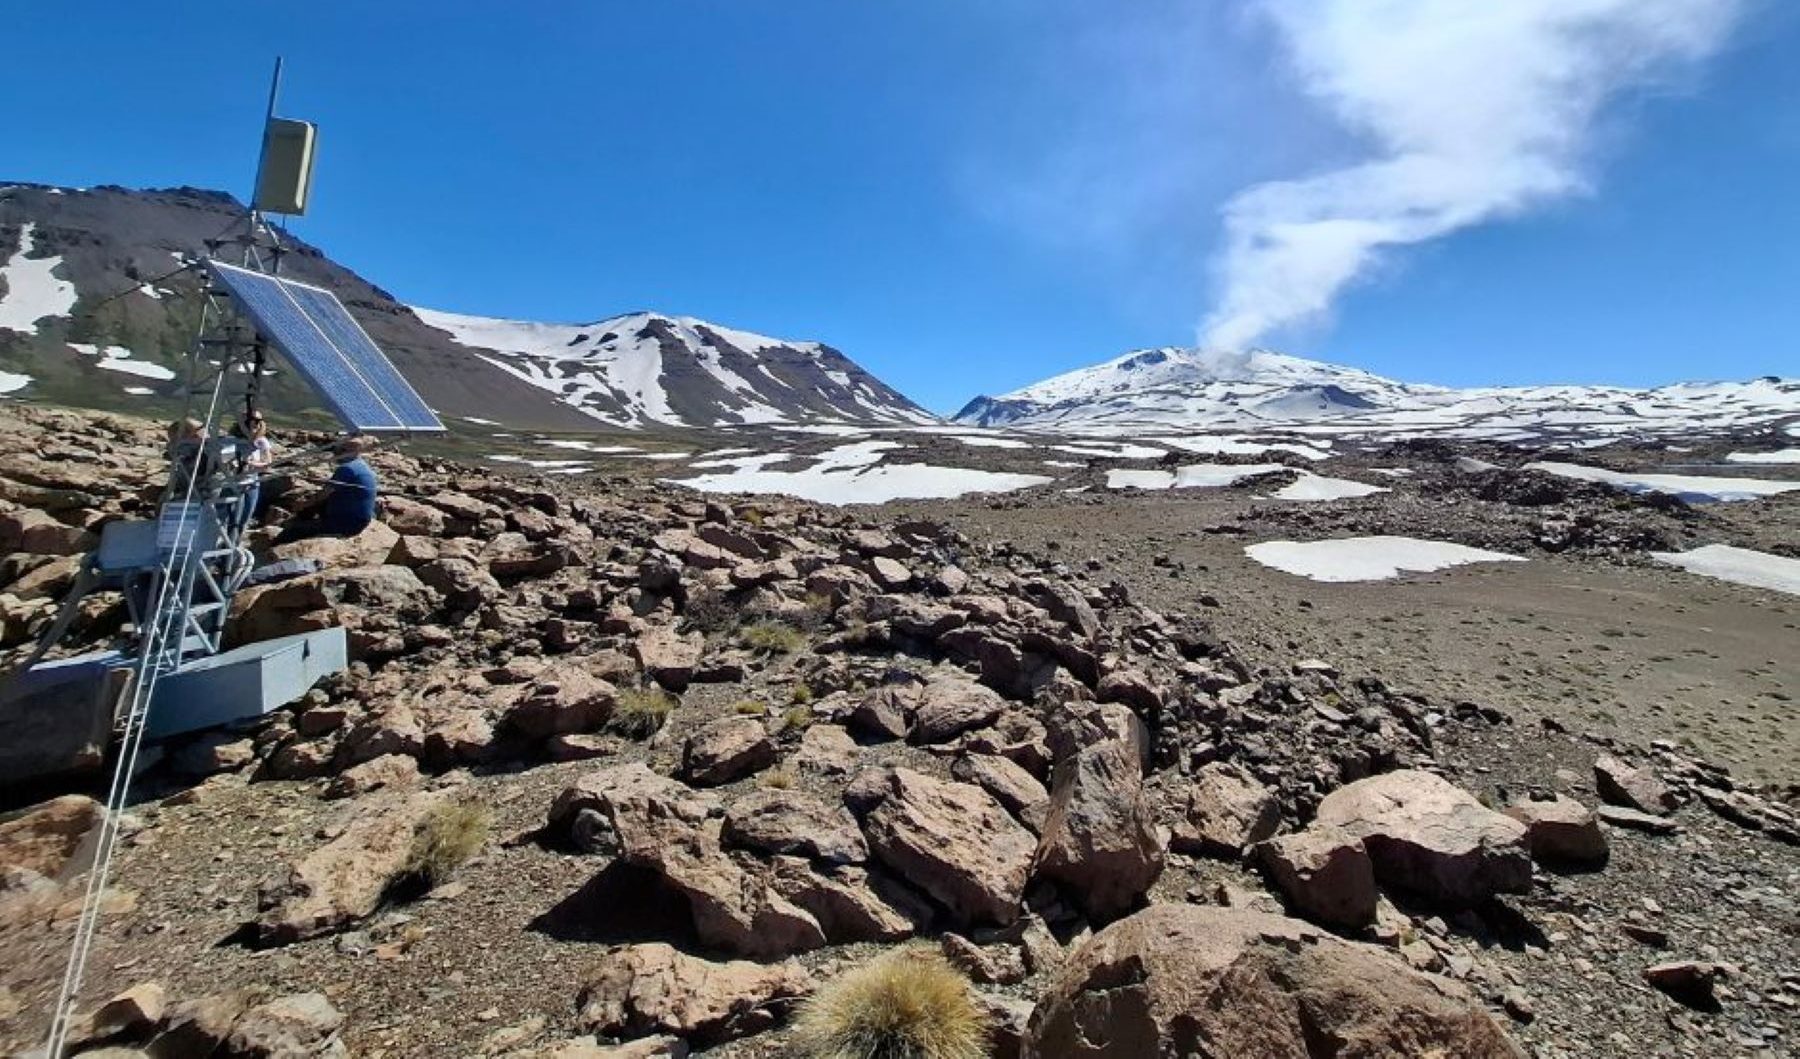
{"x": 347, "y": 504}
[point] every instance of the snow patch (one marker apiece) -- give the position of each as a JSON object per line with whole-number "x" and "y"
{"x": 1778, "y": 456}
{"x": 1742, "y": 566}
{"x": 1195, "y": 476}
{"x": 32, "y": 290}
{"x": 1695, "y": 489}
{"x": 980, "y": 442}
{"x": 1317, "y": 487}
{"x": 1368, "y": 558}
{"x": 11, "y": 382}
{"x": 853, "y": 474}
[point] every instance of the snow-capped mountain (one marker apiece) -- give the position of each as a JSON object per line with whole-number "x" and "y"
{"x": 646, "y": 368}
{"x": 1160, "y": 389}
{"x": 97, "y": 309}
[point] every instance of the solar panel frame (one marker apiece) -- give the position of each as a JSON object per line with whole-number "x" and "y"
{"x": 313, "y": 331}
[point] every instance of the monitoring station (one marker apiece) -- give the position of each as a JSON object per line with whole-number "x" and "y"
{"x": 179, "y": 571}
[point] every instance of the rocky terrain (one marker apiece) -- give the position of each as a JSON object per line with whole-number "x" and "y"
{"x": 625, "y": 769}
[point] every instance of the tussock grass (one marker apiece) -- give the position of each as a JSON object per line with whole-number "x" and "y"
{"x": 451, "y": 834}
{"x": 908, "y": 1004}
{"x": 640, "y": 712}
{"x": 801, "y": 694}
{"x": 781, "y": 778}
{"x": 750, "y": 708}
{"x": 772, "y": 637}
{"x": 796, "y": 719}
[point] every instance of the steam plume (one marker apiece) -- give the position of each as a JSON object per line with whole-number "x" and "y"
{"x": 1473, "y": 110}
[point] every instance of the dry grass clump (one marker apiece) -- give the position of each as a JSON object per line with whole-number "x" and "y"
{"x": 907, "y": 1004}
{"x": 750, "y": 708}
{"x": 781, "y": 778}
{"x": 771, "y": 637}
{"x": 796, "y": 719}
{"x": 451, "y": 834}
{"x": 639, "y": 713}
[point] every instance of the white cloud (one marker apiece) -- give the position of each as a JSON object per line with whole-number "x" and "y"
{"x": 1473, "y": 110}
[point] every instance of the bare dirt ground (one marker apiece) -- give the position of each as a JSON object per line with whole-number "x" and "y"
{"x": 1636, "y": 651}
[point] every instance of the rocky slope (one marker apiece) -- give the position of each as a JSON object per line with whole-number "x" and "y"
{"x": 91, "y": 315}
{"x": 1164, "y": 389}
{"x": 730, "y": 751}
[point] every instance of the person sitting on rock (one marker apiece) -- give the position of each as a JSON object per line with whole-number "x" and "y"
{"x": 345, "y": 507}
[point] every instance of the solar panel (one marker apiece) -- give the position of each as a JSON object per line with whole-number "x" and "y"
{"x": 325, "y": 344}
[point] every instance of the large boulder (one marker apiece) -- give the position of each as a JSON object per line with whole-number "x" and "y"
{"x": 48, "y": 838}
{"x": 642, "y": 989}
{"x": 1189, "y": 980}
{"x": 950, "y": 706}
{"x": 1429, "y": 836}
{"x": 288, "y": 1027}
{"x": 371, "y": 547}
{"x": 1099, "y": 840}
{"x": 668, "y": 656}
{"x": 1227, "y": 812}
{"x": 1561, "y": 832}
{"x": 725, "y": 750}
{"x": 790, "y": 821}
{"x": 344, "y": 880}
{"x": 951, "y": 840}
{"x": 655, "y": 823}
{"x": 1325, "y": 875}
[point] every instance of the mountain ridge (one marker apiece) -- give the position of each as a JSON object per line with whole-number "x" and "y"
{"x": 1175, "y": 387}
{"x": 117, "y": 335}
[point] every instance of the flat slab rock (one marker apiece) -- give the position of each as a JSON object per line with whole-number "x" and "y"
{"x": 1429, "y": 836}
{"x": 1181, "y": 980}
{"x": 951, "y": 840}
{"x": 643, "y": 989}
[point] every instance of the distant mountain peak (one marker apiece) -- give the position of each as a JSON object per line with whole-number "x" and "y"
{"x": 1178, "y": 388}
{"x": 645, "y": 368}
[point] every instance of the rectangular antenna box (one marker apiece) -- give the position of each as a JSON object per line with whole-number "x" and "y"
{"x": 284, "y": 179}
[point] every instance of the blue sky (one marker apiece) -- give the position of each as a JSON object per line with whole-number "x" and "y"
{"x": 964, "y": 197}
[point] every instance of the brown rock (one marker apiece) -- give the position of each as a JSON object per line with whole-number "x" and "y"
{"x": 1325, "y": 875}
{"x": 659, "y": 824}
{"x": 881, "y": 714}
{"x": 344, "y": 880}
{"x": 668, "y": 656}
{"x": 725, "y": 750}
{"x": 790, "y": 821}
{"x": 950, "y": 706}
{"x": 289, "y": 1027}
{"x": 827, "y": 750}
{"x": 1001, "y": 964}
{"x": 890, "y": 574}
{"x": 1620, "y": 784}
{"x": 571, "y": 700}
{"x": 1561, "y": 831}
{"x": 642, "y": 989}
{"x": 849, "y": 903}
{"x": 1018, "y": 790}
{"x": 371, "y": 547}
{"x": 1227, "y": 812}
{"x": 47, "y": 838}
{"x": 388, "y": 772}
{"x": 951, "y": 840}
{"x": 1186, "y": 980}
{"x": 1100, "y": 842}
{"x": 1631, "y": 819}
{"x": 1429, "y": 836}
{"x": 136, "y": 1012}
{"x": 1688, "y": 981}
